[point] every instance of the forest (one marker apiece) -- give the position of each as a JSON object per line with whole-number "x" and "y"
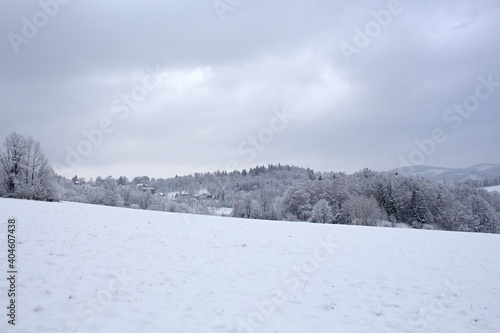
{"x": 272, "y": 192}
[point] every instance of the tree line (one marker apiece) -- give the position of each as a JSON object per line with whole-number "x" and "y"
{"x": 272, "y": 192}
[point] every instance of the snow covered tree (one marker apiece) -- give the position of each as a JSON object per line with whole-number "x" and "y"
{"x": 111, "y": 195}
{"x": 122, "y": 180}
{"x": 284, "y": 192}
{"x": 386, "y": 200}
{"x": 255, "y": 209}
{"x": 12, "y": 162}
{"x": 265, "y": 199}
{"x": 38, "y": 175}
{"x": 485, "y": 217}
{"x": 364, "y": 210}
{"x": 25, "y": 170}
{"x": 158, "y": 203}
{"x": 443, "y": 210}
{"x": 322, "y": 212}
{"x": 297, "y": 201}
{"x": 417, "y": 210}
{"x": 242, "y": 206}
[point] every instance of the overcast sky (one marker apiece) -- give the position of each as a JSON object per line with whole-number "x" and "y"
{"x": 176, "y": 87}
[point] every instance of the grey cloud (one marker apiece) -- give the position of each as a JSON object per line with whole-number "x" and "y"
{"x": 228, "y": 77}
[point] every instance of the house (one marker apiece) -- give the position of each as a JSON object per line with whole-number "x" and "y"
{"x": 145, "y": 188}
{"x": 203, "y": 194}
{"x": 150, "y": 189}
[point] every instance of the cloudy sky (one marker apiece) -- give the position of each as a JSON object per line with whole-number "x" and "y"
{"x": 161, "y": 88}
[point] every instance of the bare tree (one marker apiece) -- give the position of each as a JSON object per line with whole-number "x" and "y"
{"x": 322, "y": 212}
{"x": 26, "y": 172}
{"x": 12, "y": 161}
{"x": 364, "y": 210}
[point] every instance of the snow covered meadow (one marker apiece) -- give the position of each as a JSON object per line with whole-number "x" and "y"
{"x": 87, "y": 268}
{"x": 493, "y": 188}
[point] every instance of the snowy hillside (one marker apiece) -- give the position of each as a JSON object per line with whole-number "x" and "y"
{"x": 85, "y": 268}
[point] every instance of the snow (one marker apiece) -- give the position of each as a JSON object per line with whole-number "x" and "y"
{"x": 493, "y": 188}
{"x": 85, "y": 268}
{"x": 202, "y": 192}
{"x": 223, "y": 211}
{"x": 172, "y": 195}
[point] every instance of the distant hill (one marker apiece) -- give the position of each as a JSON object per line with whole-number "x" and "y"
{"x": 439, "y": 174}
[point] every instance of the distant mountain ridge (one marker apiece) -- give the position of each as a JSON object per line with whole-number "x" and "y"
{"x": 441, "y": 174}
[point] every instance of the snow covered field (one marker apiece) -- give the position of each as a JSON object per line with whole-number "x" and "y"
{"x": 86, "y": 268}
{"x": 493, "y": 188}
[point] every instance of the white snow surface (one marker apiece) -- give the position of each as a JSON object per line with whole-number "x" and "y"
{"x": 493, "y": 188}
{"x": 85, "y": 268}
{"x": 223, "y": 211}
